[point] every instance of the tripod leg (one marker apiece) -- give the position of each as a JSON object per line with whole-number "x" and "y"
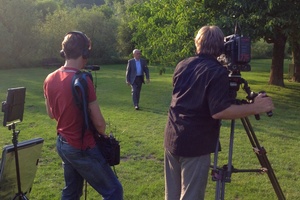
{"x": 262, "y": 157}
{"x": 20, "y": 194}
{"x": 218, "y": 188}
{"x": 15, "y": 142}
{"x": 20, "y": 197}
{"x": 216, "y": 173}
{"x": 223, "y": 175}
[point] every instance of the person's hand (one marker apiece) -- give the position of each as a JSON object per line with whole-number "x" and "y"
{"x": 128, "y": 83}
{"x": 104, "y": 135}
{"x": 148, "y": 81}
{"x": 263, "y": 103}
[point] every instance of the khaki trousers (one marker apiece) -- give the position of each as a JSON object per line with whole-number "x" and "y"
{"x": 185, "y": 177}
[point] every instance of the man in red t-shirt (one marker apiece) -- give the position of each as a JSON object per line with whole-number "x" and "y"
{"x": 77, "y": 147}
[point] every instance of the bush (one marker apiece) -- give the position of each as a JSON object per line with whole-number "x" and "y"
{"x": 264, "y": 50}
{"x": 261, "y": 49}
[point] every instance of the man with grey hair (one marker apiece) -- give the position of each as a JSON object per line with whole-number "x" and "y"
{"x": 200, "y": 99}
{"x": 136, "y": 70}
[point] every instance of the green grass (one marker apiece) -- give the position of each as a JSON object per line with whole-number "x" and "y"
{"x": 141, "y": 135}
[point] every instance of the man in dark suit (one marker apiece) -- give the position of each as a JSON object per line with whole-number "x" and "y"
{"x": 136, "y": 70}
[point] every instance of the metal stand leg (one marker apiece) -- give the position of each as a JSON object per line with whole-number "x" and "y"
{"x": 20, "y": 195}
{"x": 223, "y": 175}
{"x": 262, "y": 157}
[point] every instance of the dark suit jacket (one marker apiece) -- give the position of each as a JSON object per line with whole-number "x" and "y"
{"x": 131, "y": 70}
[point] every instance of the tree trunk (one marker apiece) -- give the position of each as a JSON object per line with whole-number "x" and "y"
{"x": 296, "y": 61}
{"x": 276, "y": 74}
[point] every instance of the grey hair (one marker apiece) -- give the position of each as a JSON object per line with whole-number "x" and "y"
{"x": 135, "y": 50}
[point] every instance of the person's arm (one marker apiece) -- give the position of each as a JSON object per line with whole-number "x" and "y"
{"x": 146, "y": 70}
{"x": 97, "y": 117}
{"x": 48, "y": 109}
{"x": 261, "y": 104}
{"x": 128, "y": 72}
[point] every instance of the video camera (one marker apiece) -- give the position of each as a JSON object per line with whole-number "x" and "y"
{"x": 237, "y": 50}
{"x": 237, "y": 55}
{"x": 236, "y": 58}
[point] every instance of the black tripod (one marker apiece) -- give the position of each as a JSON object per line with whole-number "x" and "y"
{"x": 223, "y": 174}
{"x": 20, "y": 195}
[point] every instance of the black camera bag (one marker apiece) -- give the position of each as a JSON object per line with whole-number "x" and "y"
{"x": 110, "y": 149}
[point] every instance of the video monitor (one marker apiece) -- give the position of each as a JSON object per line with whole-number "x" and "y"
{"x": 13, "y": 107}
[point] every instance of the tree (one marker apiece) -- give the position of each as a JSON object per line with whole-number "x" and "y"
{"x": 281, "y": 21}
{"x": 98, "y": 23}
{"x": 279, "y": 41}
{"x": 164, "y": 29}
{"x": 46, "y": 7}
{"x": 296, "y": 60}
{"x": 18, "y": 20}
{"x": 294, "y": 39}
{"x": 53, "y": 32}
{"x": 273, "y": 20}
{"x": 83, "y": 3}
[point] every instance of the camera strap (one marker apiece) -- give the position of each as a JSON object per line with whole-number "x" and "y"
{"x": 80, "y": 94}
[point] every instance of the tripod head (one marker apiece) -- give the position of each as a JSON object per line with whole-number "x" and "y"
{"x": 235, "y": 82}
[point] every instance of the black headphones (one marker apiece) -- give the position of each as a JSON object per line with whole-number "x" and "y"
{"x": 86, "y": 49}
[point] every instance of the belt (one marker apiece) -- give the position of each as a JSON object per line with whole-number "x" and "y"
{"x": 62, "y": 139}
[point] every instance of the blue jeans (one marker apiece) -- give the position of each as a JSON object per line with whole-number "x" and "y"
{"x": 89, "y": 165}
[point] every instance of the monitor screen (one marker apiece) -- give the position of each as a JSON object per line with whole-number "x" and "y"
{"x": 13, "y": 107}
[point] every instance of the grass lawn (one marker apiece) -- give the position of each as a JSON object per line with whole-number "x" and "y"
{"x": 141, "y": 134}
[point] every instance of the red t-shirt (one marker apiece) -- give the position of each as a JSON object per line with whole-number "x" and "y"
{"x": 58, "y": 91}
